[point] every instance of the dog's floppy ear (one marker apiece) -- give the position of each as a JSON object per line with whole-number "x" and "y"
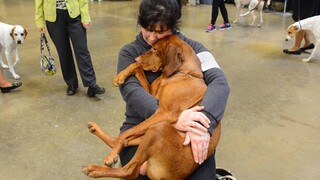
{"x": 25, "y": 33}
{"x": 296, "y": 27}
{"x": 173, "y": 60}
{"x": 11, "y": 33}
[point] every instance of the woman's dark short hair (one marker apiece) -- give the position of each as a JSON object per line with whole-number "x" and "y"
{"x": 167, "y": 13}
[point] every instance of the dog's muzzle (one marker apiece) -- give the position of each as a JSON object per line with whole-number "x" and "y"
{"x": 288, "y": 38}
{"x": 19, "y": 42}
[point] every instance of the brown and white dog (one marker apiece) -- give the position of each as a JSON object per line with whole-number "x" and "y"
{"x": 313, "y": 25}
{"x": 253, "y": 4}
{"x": 10, "y": 37}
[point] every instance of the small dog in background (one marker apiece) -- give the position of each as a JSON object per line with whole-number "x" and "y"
{"x": 10, "y": 37}
{"x": 253, "y": 4}
{"x": 313, "y": 25}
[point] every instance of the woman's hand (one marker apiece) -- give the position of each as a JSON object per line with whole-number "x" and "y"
{"x": 199, "y": 145}
{"x": 86, "y": 25}
{"x": 193, "y": 121}
{"x": 42, "y": 30}
{"x": 195, "y": 124}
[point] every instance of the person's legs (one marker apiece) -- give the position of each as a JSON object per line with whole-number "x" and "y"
{"x": 60, "y": 37}
{"x": 214, "y": 15}
{"x": 3, "y": 82}
{"x": 207, "y": 170}
{"x": 214, "y": 11}
{"x": 6, "y": 86}
{"x": 224, "y": 12}
{"x": 307, "y": 39}
{"x": 78, "y": 38}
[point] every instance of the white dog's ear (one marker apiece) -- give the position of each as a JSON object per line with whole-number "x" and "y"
{"x": 11, "y": 33}
{"x": 296, "y": 27}
{"x": 25, "y": 33}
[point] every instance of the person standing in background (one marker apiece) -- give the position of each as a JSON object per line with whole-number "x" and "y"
{"x": 68, "y": 21}
{"x": 216, "y": 4}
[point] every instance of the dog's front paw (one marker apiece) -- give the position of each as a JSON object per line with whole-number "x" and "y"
{"x": 16, "y": 76}
{"x": 94, "y": 128}
{"x": 111, "y": 159}
{"x": 306, "y": 60}
{"x": 235, "y": 21}
{"x": 118, "y": 80}
{"x": 4, "y": 66}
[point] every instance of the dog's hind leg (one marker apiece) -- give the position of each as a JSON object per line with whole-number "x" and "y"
{"x": 313, "y": 52}
{"x": 107, "y": 139}
{"x": 135, "y": 132}
{"x": 254, "y": 17}
{"x": 96, "y": 130}
{"x": 260, "y": 8}
{"x": 238, "y": 6}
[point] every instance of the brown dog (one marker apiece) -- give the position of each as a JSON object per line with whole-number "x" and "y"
{"x": 180, "y": 86}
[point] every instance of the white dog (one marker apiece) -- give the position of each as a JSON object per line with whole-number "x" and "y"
{"x": 312, "y": 24}
{"x": 253, "y": 4}
{"x": 10, "y": 37}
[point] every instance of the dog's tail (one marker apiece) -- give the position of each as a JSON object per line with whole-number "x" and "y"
{"x": 242, "y": 15}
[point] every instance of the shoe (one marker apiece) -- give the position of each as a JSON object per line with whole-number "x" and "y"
{"x": 12, "y": 87}
{"x": 72, "y": 90}
{"x": 297, "y": 52}
{"x": 311, "y": 46}
{"x": 95, "y": 89}
{"x": 211, "y": 28}
{"x": 225, "y": 26}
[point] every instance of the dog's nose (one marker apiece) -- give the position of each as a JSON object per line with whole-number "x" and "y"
{"x": 19, "y": 41}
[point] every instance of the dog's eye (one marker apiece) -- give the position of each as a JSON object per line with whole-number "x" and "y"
{"x": 22, "y": 34}
{"x": 154, "y": 49}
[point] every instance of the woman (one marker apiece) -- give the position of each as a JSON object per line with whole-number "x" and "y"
{"x": 158, "y": 19}
{"x": 6, "y": 86}
{"x": 302, "y": 10}
{"x": 65, "y": 21}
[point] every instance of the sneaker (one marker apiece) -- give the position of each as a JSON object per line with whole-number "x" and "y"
{"x": 225, "y": 26}
{"x": 211, "y": 28}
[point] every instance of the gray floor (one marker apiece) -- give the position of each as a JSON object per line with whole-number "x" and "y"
{"x": 271, "y": 128}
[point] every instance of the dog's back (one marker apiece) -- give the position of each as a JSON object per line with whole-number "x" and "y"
{"x": 312, "y": 24}
{"x": 5, "y": 29}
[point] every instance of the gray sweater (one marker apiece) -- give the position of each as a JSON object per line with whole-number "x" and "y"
{"x": 140, "y": 105}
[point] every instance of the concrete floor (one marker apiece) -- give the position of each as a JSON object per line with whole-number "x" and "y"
{"x": 271, "y": 128}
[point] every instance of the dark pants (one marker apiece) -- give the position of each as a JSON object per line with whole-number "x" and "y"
{"x": 206, "y": 171}
{"x": 216, "y": 4}
{"x": 61, "y": 32}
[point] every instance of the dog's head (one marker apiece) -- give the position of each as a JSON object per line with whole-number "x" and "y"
{"x": 18, "y": 34}
{"x": 292, "y": 30}
{"x": 164, "y": 56}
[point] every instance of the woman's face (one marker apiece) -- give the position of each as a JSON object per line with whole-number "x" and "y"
{"x": 153, "y": 36}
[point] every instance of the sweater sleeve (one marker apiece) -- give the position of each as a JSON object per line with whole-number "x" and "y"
{"x": 216, "y": 96}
